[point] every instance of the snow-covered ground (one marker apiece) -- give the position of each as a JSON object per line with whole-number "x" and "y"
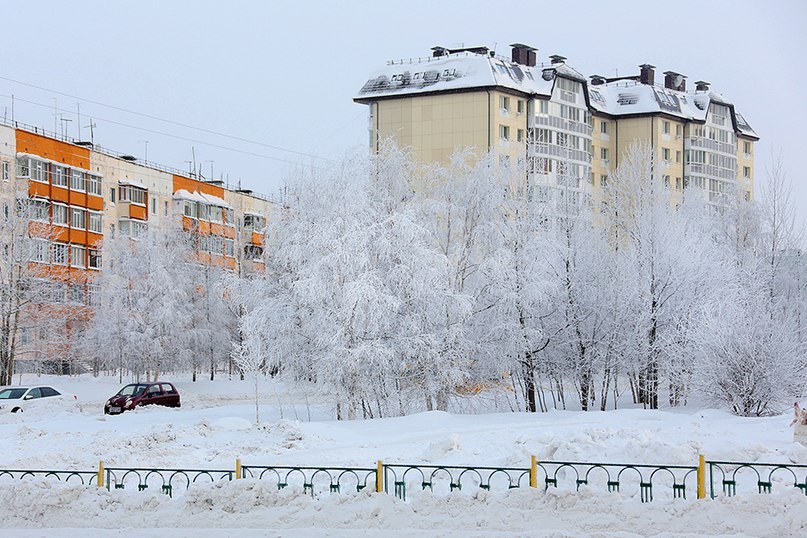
{"x": 216, "y": 425}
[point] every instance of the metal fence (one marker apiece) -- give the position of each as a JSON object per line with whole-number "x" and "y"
{"x": 648, "y": 481}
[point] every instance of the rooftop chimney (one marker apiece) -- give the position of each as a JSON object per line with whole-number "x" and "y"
{"x": 557, "y": 59}
{"x": 702, "y": 86}
{"x": 439, "y": 51}
{"x": 675, "y": 81}
{"x": 597, "y": 80}
{"x": 523, "y": 54}
{"x": 647, "y": 74}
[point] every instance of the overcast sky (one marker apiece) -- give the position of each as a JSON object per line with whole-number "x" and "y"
{"x": 281, "y": 75}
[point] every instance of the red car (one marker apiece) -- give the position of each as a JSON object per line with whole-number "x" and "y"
{"x": 137, "y": 394}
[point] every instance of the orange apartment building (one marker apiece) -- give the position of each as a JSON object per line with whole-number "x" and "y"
{"x": 81, "y": 193}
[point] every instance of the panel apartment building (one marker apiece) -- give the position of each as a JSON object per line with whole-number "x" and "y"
{"x": 569, "y": 131}
{"x": 81, "y": 194}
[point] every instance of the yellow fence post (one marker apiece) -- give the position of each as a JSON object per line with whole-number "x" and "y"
{"x": 533, "y": 472}
{"x": 101, "y": 474}
{"x": 379, "y": 476}
{"x": 237, "y": 468}
{"x": 701, "y": 477}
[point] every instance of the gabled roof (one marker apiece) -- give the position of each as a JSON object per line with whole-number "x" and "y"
{"x": 462, "y": 71}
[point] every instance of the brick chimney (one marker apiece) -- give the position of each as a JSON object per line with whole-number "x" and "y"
{"x": 523, "y": 54}
{"x": 647, "y": 74}
{"x": 439, "y": 51}
{"x": 557, "y": 59}
{"x": 702, "y": 86}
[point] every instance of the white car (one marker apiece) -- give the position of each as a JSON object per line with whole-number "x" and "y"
{"x": 18, "y": 399}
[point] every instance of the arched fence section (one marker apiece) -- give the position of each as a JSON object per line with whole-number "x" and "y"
{"x": 707, "y": 479}
{"x": 313, "y": 480}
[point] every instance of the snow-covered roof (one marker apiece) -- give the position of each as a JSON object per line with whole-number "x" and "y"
{"x": 630, "y": 97}
{"x": 463, "y": 70}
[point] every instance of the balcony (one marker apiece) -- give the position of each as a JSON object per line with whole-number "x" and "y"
{"x": 566, "y": 125}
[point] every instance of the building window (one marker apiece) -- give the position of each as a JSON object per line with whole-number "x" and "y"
{"x": 132, "y": 228}
{"x": 543, "y": 107}
{"x": 132, "y": 194}
{"x": 93, "y": 295}
{"x": 6, "y": 172}
{"x": 604, "y": 154}
{"x": 229, "y": 247}
{"x": 94, "y": 184}
{"x": 216, "y": 214}
{"x": 665, "y": 154}
{"x": 95, "y": 222}
{"x": 204, "y": 212}
{"x": 746, "y": 171}
{"x": 520, "y": 106}
{"x": 40, "y": 250}
{"x": 94, "y": 259}
{"x": 23, "y": 167}
{"x": 678, "y": 183}
{"x": 603, "y": 180}
{"x": 60, "y": 176}
{"x": 77, "y": 256}
{"x": 253, "y": 252}
{"x": 678, "y": 156}
{"x": 112, "y": 195}
{"x": 665, "y": 127}
{"x": 520, "y": 135}
{"x": 604, "y": 127}
{"x": 78, "y": 218}
{"x": 189, "y": 209}
{"x": 677, "y": 131}
{"x": 666, "y": 180}
{"x": 165, "y": 209}
{"x": 504, "y": 132}
{"x": 747, "y": 148}
{"x": 504, "y": 103}
{"x": 253, "y": 222}
{"x": 77, "y": 294}
{"x": 153, "y": 205}
{"x": 77, "y": 181}
{"x": 59, "y": 252}
{"x": 60, "y": 213}
{"x": 39, "y": 210}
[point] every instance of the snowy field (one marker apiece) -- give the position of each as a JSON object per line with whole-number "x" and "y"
{"x": 216, "y": 425}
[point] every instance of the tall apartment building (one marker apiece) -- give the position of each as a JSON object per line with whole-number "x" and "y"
{"x": 568, "y": 131}
{"x": 82, "y": 194}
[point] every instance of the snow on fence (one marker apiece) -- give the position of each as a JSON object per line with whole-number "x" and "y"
{"x": 649, "y": 481}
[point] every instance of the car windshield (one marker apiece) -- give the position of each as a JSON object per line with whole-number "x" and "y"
{"x": 11, "y": 394}
{"x": 132, "y": 390}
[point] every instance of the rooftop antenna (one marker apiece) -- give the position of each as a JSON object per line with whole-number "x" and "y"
{"x": 190, "y": 172}
{"x": 616, "y": 71}
{"x": 193, "y": 152}
{"x": 12, "y": 109}
{"x": 78, "y": 119}
{"x": 211, "y": 169}
{"x": 146, "y": 151}
{"x": 91, "y": 126}
{"x": 64, "y": 125}
{"x": 55, "y": 117}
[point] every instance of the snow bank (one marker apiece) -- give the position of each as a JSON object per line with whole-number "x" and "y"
{"x": 252, "y": 504}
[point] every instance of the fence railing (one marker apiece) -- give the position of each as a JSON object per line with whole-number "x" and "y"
{"x": 725, "y": 478}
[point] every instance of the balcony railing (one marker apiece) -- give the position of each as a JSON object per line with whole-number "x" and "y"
{"x": 566, "y": 125}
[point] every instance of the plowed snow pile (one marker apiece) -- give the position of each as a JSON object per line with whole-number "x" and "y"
{"x": 216, "y": 425}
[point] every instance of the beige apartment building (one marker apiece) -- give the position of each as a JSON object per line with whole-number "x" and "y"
{"x": 567, "y": 130}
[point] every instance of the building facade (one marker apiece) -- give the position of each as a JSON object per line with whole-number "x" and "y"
{"x": 568, "y": 131}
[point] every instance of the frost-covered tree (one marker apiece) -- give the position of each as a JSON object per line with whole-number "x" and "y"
{"x": 29, "y": 284}
{"x": 145, "y": 297}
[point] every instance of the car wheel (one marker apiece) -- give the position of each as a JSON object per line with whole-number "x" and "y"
{"x": 17, "y": 410}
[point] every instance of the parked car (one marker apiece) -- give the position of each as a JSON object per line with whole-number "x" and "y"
{"x": 18, "y": 399}
{"x": 137, "y": 394}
